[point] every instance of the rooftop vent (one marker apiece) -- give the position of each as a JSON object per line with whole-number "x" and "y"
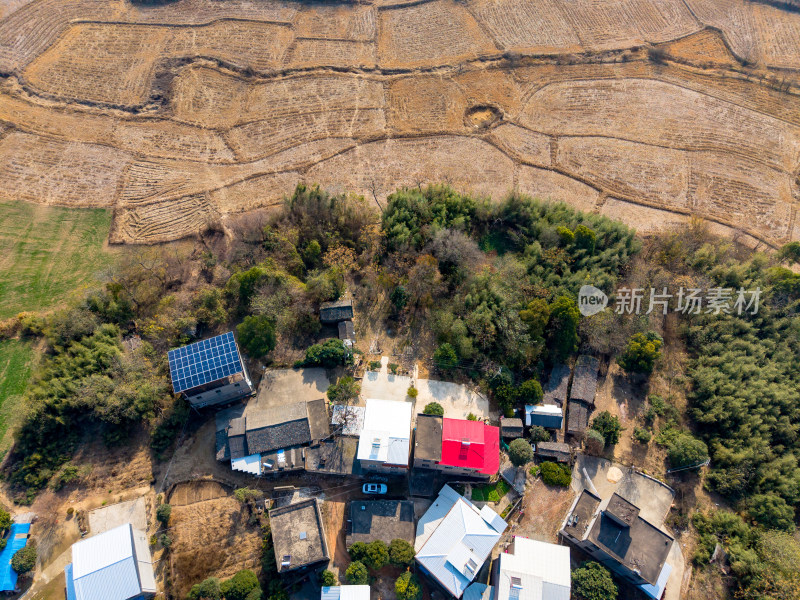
{"x": 287, "y": 560}
{"x": 303, "y": 535}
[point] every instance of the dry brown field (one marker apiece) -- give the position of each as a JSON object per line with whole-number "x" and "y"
{"x": 180, "y": 115}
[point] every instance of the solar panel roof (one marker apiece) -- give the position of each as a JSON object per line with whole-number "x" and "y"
{"x": 203, "y": 362}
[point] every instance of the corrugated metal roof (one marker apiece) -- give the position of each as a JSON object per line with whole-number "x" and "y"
{"x": 70, "y": 584}
{"x": 345, "y": 592}
{"x": 17, "y": 538}
{"x": 541, "y": 570}
{"x": 459, "y": 544}
{"x": 114, "y": 565}
{"x": 655, "y": 591}
{"x": 248, "y": 464}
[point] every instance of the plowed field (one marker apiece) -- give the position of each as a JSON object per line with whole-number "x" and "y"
{"x": 180, "y": 113}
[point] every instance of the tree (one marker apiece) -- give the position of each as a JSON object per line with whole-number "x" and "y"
{"x": 585, "y": 239}
{"x": 433, "y": 408}
{"x": 520, "y": 452}
{"x": 257, "y": 594}
{"x": 329, "y": 354}
{"x": 595, "y": 442}
{"x": 24, "y": 559}
{"x": 536, "y": 316}
{"x": 562, "y": 338}
{"x": 445, "y": 357}
{"x": 771, "y": 511}
{"x": 790, "y": 252}
{"x": 686, "y": 450}
{"x": 592, "y": 581}
{"x": 539, "y": 434}
{"x": 327, "y": 579}
{"x": 357, "y": 552}
{"x": 407, "y": 587}
{"x": 257, "y": 335}
{"x": 356, "y": 574}
{"x": 401, "y": 553}
{"x": 412, "y": 392}
{"x": 642, "y": 352}
{"x": 240, "y": 585}
{"x": 555, "y": 474}
{"x": 345, "y": 390}
{"x": 208, "y": 589}
{"x": 163, "y": 513}
{"x": 609, "y": 427}
{"x": 642, "y": 435}
{"x": 399, "y": 297}
{"x": 530, "y": 392}
{"x": 5, "y": 521}
{"x": 377, "y": 555}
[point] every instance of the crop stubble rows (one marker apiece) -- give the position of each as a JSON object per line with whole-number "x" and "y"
{"x": 180, "y": 114}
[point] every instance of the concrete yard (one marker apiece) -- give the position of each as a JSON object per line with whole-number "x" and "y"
{"x": 108, "y": 517}
{"x": 280, "y": 386}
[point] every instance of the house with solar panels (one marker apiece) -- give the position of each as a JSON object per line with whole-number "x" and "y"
{"x": 114, "y": 565}
{"x": 210, "y": 372}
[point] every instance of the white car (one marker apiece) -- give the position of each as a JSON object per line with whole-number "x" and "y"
{"x": 374, "y": 488}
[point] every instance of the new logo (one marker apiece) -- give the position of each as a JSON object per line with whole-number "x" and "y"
{"x": 591, "y": 300}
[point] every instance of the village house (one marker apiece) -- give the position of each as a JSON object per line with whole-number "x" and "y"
{"x": 554, "y": 451}
{"x": 384, "y": 442}
{"x": 548, "y": 416}
{"x": 511, "y": 429}
{"x": 345, "y": 592}
{"x": 331, "y": 313}
{"x": 454, "y": 540}
{"x": 384, "y": 520}
{"x": 555, "y": 391}
{"x": 298, "y": 537}
{"x": 209, "y": 372}
{"x": 532, "y": 570}
{"x": 456, "y": 446}
{"x": 614, "y": 534}
{"x": 114, "y": 565}
{"x": 582, "y": 393}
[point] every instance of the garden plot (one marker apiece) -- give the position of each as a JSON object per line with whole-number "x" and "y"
{"x": 356, "y": 22}
{"x": 307, "y": 53}
{"x": 427, "y": 104}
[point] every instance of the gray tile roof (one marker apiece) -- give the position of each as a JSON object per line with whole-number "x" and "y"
{"x": 555, "y": 392}
{"x": 333, "y": 312}
{"x": 511, "y": 428}
{"x": 577, "y": 417}
{"x": 281, "y": 435}
{"x": 584, "y": 380}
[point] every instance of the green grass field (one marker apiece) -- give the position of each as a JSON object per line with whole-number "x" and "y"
{"x": 48, "y": 253}
{"x": 16, "y": 363}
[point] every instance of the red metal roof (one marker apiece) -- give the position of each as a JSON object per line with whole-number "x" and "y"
{"x": 471, "y": 445}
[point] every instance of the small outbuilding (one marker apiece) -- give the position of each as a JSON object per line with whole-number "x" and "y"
{"x": 553, "y": 451}
{"x": 577, "y": 417}
{"x": 555, "y": 392}
{"x": 332, "y": 313}
{"x": 511, "y": 428}
{"x": 584, "y": 380}
{"x": 347, "y": 331}
{"x": 548, "y": 416}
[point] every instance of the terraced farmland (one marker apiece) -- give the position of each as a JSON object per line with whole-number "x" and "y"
{"x": 179, "y": 114}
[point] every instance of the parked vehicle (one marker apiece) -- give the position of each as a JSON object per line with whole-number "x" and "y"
{"x": 374, "y": 488}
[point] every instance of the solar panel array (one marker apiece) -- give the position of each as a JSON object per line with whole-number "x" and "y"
{"x": 204, "y": 362}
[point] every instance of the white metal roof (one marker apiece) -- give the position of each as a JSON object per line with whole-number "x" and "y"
{"x": 345, "y": 592}
{"x": 248, "y": 464}
{"x": 542, "y": 571}
{"x": 114, "y": 565}
{"x": 386, "y": 432}
{"x": 352, "y": 417}
{"x": 460, "y": 542}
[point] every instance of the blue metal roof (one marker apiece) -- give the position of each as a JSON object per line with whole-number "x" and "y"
{"x": 70, "y": 584}
{"x": 17, "y": 538}
{"x": 547, "y": 421}
{"x": 203, "y": 362}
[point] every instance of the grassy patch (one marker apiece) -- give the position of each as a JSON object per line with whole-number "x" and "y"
{"x": 16, "y": 364}
{"x": 46, "y": 253}
{"x": 490, "y": 492}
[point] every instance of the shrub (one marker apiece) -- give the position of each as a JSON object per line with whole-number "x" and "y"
{"x": 539, "y": 434}
{"x": 240, "y": 585}
{"x": 685, "y": 450}
{"x": 393, "y": 368}
{"x": 24, "y": 559}
{"x": 327, "y": 579}
{"x": 595, "y": 442}
{"x": 399, "y": 297}
{"x": 530, "y": 392}
{"x": 472, "y": 417}
{"x": 520, "y": 452}
{"x": 165, "y": 541}
{"x": 609, "y": 427}
{"x": 257, "y": 335}
{"x": 407, "y": 587}
{"x": 643, "y": 350}
{"x": 344, "y": 390}
{"x": 642, "y": 435}
{"x": 445, "y": 357}
{"x": 592, "y": 581}
{"x": 208, "y": 589}
{"x": 357, "y": 574}
{"x": 556, "y": 474}
{"x": 401, "y": 553}
{"x": 433, "y": 408}
{"x": 377, "y": 555}
{"x": 771, "y": 511}
{"x": 257, "y": 594}
{"x": 247, "y": 494}
{"x": 329, "y": 354}
{"x": 565, "y": 234}
{"x": 5, "y": 520}
{"x": 163, "y": 513}
{"x": 374, "y": 365}
{"x": 412, "y": 392}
